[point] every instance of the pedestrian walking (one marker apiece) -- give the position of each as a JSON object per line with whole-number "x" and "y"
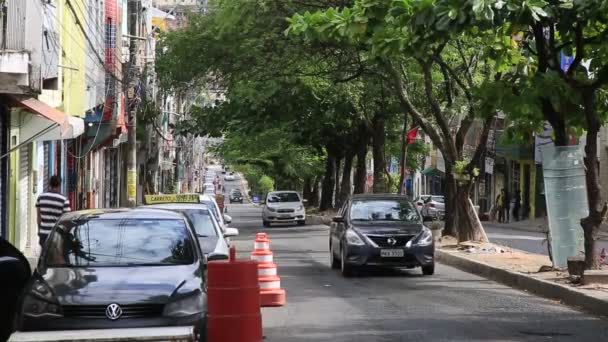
{"x": 51, "y": 205}
{"x": 500, "y": 205}
{"x": 517, "y": 205}
{"x": 507, "y": 206}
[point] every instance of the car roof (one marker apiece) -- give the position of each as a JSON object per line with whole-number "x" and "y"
{"x": 123, "y": 213}
{"x": 379, "y": 196}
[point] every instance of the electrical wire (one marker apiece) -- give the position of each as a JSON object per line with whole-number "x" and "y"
{"x": 88, "y": 39}
{"x": 72, "y": 38}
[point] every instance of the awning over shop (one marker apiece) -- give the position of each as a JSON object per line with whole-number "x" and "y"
{"x": 431, "y": 171}
{"x": 55, "y": 124}
{"x": 98, "y": 135}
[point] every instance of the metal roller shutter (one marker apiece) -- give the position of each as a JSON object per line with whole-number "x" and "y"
{"x": 25, "y": 191}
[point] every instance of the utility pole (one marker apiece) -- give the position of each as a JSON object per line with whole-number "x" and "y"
{"x": 133, "y": 20}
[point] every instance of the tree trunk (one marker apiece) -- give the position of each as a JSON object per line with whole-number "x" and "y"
{"x": 402, "y": 161}
{"x": 337, "y": 180}
{"x": 450, "y": 202}
{"x": 378, "y": 140}
{"x": 307, "y": 188}
{"x": 346, "y": 185}
{"x": 361, "y": 167}
{"x": 327, "y": 191}
{"x": 597, "y": 210}
{"x": 469, "y": 226}
{"x": 314, "y": 196}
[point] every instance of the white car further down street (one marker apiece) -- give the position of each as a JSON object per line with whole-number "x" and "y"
{"x": 283, "y": 207}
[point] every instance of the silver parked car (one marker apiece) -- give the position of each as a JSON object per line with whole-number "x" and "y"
{"x": 433, "y": 208}
{"x": 212, "y": 238}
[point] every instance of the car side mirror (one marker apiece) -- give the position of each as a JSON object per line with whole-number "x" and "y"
{"x": 227, "y": 218}
{"x": 304, "y": 201}
{"x": 338, "y": 219}
{"x": 217, "y": 256}
{"x": 231, "y": 232}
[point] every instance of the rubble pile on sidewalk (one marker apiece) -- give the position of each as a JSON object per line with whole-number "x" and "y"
{"x": 536, "y": 265}
{"x": 497, "y": 255}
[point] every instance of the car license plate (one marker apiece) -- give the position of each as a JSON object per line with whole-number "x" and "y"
{"x": 285, "y": 216}
{"x": 391, "y": 253}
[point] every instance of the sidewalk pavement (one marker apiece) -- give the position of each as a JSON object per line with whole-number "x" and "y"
{"x": 506, "y": 268}
{"x": 535, "y": 225}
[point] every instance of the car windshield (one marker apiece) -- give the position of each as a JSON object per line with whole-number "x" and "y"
{"x": 283, "y": 197}
{"x": 124, "y": 242}
{"x": 213, "y": 209}
{"x": 201, "y": 221}
{"x": 383, "y": 210}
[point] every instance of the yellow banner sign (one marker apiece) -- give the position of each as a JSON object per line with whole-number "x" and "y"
{"x": 171, "y": 198}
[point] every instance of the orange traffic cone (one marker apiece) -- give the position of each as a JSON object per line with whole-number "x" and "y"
{"x": 271, "y": 292}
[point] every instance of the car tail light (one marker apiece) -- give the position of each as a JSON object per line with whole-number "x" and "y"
{"x": 431, "y": 205}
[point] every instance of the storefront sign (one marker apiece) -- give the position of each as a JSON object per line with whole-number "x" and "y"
{"x": 131, "y": 185}
{"x": 489, "y": 167}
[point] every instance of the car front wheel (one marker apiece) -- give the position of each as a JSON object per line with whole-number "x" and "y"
{"x": 429, "y": 269}
{"x": 346, "y": 269}
{"x": 335, "y": 262}
{"x": 266, "y": 223}
{"x": 302, "y": 223}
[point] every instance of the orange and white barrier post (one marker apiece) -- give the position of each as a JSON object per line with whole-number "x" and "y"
{"x": 271, "y": 292}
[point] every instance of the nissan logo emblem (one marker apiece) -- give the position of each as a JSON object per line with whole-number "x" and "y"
{"x": 113, "y": 311}
{"x": 391, "y": 241}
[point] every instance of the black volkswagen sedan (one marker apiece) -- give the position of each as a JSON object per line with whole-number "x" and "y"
{"x": 380, "y": 230}
{"x": 107, "y": 269}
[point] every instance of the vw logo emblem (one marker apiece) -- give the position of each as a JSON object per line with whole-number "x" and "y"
{"x": 113, "y": 311}
{"x": 391, "y": 241}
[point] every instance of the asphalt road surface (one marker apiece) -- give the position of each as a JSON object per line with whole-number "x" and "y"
{"x": 397, "y": 305}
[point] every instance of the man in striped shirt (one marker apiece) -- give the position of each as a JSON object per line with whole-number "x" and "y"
{"x": 51, "y": 205}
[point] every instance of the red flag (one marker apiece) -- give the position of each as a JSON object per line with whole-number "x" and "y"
{"x": 411, "y": 135}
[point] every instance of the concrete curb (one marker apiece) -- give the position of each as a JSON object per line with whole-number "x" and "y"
{"x": 318, "y": 219}
{"x": 567, "y": 295}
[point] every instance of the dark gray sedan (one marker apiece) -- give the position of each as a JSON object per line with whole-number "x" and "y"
{"x": 380, "y": 230}
{"x": 110, "y": 269}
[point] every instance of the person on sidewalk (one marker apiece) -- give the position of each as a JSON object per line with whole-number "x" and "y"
{"x": 500, "y": 205}
{"x": 506, "y": 206}
{"x": 51, "y": 205}
{"x": 517, "y": 205}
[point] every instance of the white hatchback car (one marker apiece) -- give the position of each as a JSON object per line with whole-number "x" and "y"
{"x": 283, "y": 207}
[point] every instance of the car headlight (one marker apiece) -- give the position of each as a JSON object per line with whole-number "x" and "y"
{"x": 186, "y": 306}
{"x": 353, "y": 238}
{"x": 299, "y": 208}
{"x": 425, "y": 238}
{"x": 271, "y": 209}
{"x": 40, "y": 301}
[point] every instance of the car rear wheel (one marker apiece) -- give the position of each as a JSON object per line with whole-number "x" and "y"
{"x": 335, "y": 262}
{"x": 429, "y": 269}
{"x": 265, "y": 223}
{"x": 346, "y": 269}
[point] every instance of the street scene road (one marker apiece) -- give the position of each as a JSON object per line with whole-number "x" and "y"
{"x": 394, "y": 305}
{"x": 425, "y": 170}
